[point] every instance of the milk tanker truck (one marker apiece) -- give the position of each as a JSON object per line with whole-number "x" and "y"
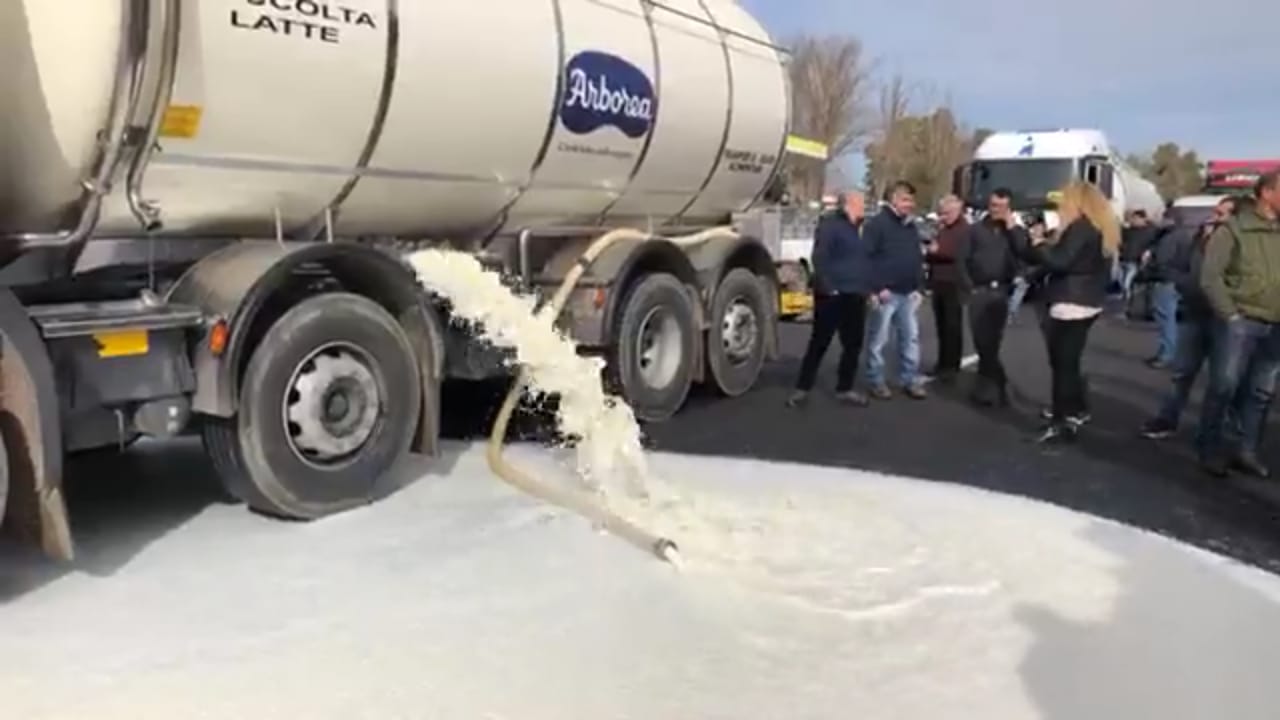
{"x": 205, "y": 206}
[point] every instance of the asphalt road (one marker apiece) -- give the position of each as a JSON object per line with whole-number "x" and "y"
{"x": 1111, "y": 472}
{"x": 121, "y": 505}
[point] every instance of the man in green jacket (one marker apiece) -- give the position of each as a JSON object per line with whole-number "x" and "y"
{"x": 1240, "y": 277}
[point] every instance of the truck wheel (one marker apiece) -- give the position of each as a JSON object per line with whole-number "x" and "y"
{"x": 735, "y": 341}
{"x": 328, "y": 404}
{"x": 655, "y": 348}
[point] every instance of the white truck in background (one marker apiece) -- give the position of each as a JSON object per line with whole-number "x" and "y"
{"x": 1033, "y": 164}
{"x": 204, "y": 209}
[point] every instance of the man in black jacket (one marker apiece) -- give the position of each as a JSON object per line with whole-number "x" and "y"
{"x": 1138, "y": 237}
{"x": 988, "y": 265}
{"x": 898, "y": 266}
{"x": 841, "y": 283}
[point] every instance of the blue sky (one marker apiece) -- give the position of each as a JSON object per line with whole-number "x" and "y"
{"x": 1200, "y": 73}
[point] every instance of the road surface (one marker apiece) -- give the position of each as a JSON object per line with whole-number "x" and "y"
{"x": 811, "y": 592}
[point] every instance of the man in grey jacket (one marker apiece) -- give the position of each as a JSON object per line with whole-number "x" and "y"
{"x": 1181, "y": 266}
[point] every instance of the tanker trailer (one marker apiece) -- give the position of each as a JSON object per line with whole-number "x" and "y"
{"x": 205, "y": 206}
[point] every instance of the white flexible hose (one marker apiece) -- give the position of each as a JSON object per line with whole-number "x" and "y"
{"x": 577, "y": 502}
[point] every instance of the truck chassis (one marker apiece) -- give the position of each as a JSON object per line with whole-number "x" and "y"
{"x": 311, "y": 369}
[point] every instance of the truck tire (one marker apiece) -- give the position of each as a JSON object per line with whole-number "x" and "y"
{"x": 656, "y": 347}
{"x": 4, "y": 477}
{"x": 736, "y": 338}
{"x": 329, "y": 403}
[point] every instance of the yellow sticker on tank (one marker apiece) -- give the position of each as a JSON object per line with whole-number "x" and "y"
{"x": 181, "y": 121}
{"x": 797, "y": 145}
{"x": 122, "y": 343}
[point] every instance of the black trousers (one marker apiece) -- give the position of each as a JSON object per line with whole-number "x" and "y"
{"x": 832, "y": 314}
{"x": 988, "y": 316}
{"x": 1066, "y": 340}
{"x": 948, "y": 314}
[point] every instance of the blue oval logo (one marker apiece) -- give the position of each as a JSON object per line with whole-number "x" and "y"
{"x": 603, "y": 89}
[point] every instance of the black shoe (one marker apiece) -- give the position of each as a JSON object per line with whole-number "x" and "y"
{"x": 798, "y": 399}
{"x": 1248, "y": 463}
{"x": 993, "y": 399}
{"x": 1157, "y": 429}
{"x": 945, "y": 377}
{"x": 853, "y": 398}
{"x": 1215, "y": 465}
{"x": 1083, "y": 418}
{"x": 1002, "y": 398}
{"x": 1057, "y": 433}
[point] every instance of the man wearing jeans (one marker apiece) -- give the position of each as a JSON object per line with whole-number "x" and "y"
{"x": 897, "y": 255}
{"x": 1173, "y": 244}
{"x": 1241, "y": 279}
{"x": 1195, "y": 324}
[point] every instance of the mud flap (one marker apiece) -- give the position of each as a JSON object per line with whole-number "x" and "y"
{"x": 35, "y": 510}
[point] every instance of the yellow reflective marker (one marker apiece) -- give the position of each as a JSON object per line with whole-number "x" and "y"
{"x": 795, "y": 303}
{"x": 122, "y": 343}
{"x": 797, "y": 145}
{"x": 181, "y": 121}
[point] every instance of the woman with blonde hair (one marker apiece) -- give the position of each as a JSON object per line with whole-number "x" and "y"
{"x": 1077, "y": 267}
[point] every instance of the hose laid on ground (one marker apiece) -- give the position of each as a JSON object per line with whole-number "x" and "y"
{"x": 662, "y": 547}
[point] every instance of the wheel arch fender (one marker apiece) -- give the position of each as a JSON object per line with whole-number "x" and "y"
{"x": 32, "y": 435}
{"x": 236, "y": 284}
{"x": 714, "y": 259}
{"x": 626, "y": 263}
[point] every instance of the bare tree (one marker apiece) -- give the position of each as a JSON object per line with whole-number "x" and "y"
{"x": 945, "y": 144}
{"x": 830, "y": 77}
{"x": 918, "y": 139}
{"x": 887, "y": 151}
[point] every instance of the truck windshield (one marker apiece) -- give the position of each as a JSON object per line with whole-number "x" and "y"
{"x": 1030, "y": 181}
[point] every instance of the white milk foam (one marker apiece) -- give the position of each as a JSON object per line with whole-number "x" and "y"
{"x": 609, "y": 456}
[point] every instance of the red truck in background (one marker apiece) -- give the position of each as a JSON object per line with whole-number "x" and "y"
{"x": 1223, "y": 176}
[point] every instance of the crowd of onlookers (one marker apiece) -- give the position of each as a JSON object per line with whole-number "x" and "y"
{"x": 1213, "y": 289}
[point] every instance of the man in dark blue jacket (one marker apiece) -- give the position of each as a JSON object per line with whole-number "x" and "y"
{"x": 841, "y": 282}
{"x": 897, "y": 254}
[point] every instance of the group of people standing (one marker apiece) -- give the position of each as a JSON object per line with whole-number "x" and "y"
{"x": 1217, "y": 302}
{"x": 875, "y": 268}
{"x": 1225, "y": 278}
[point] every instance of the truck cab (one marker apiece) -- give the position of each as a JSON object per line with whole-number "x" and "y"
{"x": 1034, "y": 164}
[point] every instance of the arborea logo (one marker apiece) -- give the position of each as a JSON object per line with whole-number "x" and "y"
{"x": 603, "y": 89}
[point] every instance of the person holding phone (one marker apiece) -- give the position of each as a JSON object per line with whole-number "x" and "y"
{"x": 988, "y": 264}
{"x": 1077, "y": 268}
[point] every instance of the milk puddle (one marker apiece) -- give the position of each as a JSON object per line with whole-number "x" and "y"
{"x": 606, "y": 437}
{"x": 813, "y": 550}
